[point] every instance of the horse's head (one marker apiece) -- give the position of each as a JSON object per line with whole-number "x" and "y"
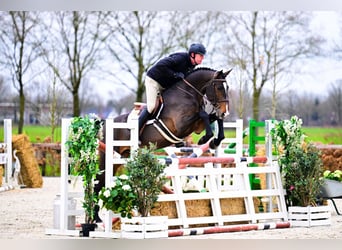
{"x": 211, "y": 84}
{"x": 216, "y": 91}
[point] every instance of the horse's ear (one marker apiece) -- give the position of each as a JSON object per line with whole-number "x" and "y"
{"x": 217, "y": 73}
{"x": 227, "y": 72}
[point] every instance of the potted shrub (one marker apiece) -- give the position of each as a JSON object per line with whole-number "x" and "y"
{"x": 301, "y": 168}
{"x": 146, "y": 177}
{"x": 82, "y": 147}
{"x": 137, "y": 190}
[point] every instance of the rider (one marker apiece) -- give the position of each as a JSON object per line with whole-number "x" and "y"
{"x": 166, "y": 72}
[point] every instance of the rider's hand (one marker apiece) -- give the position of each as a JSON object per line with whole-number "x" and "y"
{"x": 179, "y": 75}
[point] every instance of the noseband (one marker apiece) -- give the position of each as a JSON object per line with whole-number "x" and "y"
{"x": 211, "y": 89}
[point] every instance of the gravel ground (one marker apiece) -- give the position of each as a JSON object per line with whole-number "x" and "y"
{"x": 28, "y": 212}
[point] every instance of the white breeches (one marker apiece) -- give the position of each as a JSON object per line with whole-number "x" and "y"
{"x": 153, "y": 90}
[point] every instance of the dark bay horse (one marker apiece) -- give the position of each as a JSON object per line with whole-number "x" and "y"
{"x": 183, "y": 111}
{"x": 182, "y": 114}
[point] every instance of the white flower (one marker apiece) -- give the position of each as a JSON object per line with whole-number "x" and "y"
{"x": 100, "y": 203}
{"x": 123, "y": 177}
{"x": 126, "y": 187}
{"x": 100, "y": 133}
{"x": 106, "y": 193}
{"x": 113, "y": 184}
{"x": 85, "y": 155}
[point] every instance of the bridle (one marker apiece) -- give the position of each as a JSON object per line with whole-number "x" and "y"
{"x": 212, "y": 97}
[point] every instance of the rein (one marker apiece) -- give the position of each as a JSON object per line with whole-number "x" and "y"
{"x": 192, "y": 86}
{"x": 205, "y": 86}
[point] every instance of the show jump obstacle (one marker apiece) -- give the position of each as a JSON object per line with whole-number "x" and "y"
{"x": 6, "y": 157}
{"x": 66, "y": 212}
{"x": 219, "y": 183}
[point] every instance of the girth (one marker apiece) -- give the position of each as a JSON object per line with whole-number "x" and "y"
{"x": 162, "y": 128}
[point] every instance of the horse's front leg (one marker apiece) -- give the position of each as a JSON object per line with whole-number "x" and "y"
{"x": 220, "y": 135}
{"x": 208, "y": 131}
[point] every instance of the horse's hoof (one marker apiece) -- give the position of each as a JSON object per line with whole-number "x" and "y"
{"x": 212, "y": 144}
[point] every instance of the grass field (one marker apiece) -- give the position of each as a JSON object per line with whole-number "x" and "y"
{"x": 324, "y": 135}
{"x": 35, "y": 133}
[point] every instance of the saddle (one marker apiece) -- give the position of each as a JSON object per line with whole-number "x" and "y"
{"x": 155, "y": 121}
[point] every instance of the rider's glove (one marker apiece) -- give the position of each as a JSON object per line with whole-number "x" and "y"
{"x": 179, "y": 75}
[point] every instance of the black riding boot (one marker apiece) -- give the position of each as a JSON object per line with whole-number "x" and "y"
{"x": 143, "y": 117}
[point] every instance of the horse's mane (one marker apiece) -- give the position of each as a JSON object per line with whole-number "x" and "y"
{"x": 198, "y": 69}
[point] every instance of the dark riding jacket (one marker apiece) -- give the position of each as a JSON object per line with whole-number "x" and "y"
{"x": 166, "y": 69}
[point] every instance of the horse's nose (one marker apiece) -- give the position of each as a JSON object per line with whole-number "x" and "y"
{"x": 225, "y": 114}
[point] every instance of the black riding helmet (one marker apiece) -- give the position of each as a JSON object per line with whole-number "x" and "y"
{"x": 197, "y": 48}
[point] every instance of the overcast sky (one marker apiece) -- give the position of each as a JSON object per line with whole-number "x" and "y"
{"x": 320, "y": 73}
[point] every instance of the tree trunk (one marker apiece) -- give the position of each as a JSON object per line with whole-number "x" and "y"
{"x": 21, "y": 110}
{"x": 256, "y": 99}
{"x": 76, "y": 105}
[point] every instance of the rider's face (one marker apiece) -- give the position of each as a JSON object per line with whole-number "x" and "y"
{"x": 197, "y": 59}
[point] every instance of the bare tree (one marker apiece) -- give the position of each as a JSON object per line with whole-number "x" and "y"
{"x": 18, "y": 49}
{"x": 121, "y": 105}
{"x": 272, "y": 42}
{"x": 78, "y": 39}
{"x": 49, "y": 99}
{"x": 336, "y": 51}
{"x": 139, "y": 38}
{"x": 335, "y": 102}
{"x": 5, "y": 90}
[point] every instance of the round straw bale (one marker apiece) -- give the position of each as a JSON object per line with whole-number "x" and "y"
{"x": 1, "y": 174}
{"x": 29, "y": 169}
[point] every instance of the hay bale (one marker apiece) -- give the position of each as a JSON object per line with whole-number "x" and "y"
{"x": 231, "y": 206}
{"x": 194, "y": 208}
{"x": 1, "y": 167}
{"x": 199, "y": 208}
{"x": 165, "y": 208}
{"x": 116, "y": 224}
{"x": 1, "y": 174}
{"x": 29, "y": 170}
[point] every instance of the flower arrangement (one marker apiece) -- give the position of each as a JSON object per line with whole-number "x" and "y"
{"x": 332, "y": 184}
{"x": 82, "y": 147}
{"x": 119, "y": 197}
{"x": 336, "y": 175}
{"x": 139, "y": 188}
{"x": 288, "y": 136}
{"x": 300, "y": 163}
